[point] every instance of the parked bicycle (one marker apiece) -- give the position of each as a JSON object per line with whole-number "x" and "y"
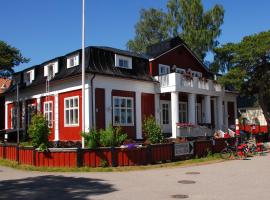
{"x": 234, "y": 151}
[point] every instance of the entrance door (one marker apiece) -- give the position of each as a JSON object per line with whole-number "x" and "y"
{"x": 166, "y": 122}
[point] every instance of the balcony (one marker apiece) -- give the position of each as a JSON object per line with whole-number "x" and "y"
{"x": 176, "y": 82}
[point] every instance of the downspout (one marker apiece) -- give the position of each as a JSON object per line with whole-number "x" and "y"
{"x": 92, "y": 99}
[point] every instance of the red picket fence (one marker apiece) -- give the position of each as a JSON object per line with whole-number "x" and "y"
{"x": 57, "y": 158}
{"x": 96, "y": 157}
{"x": 11, "y": 152}
{"x": 131, "y": 157}
{"x": 27, "y": 155}
{"x": 161, "y": 153}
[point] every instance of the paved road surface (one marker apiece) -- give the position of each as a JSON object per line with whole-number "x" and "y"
{"x": 233, "y": 180}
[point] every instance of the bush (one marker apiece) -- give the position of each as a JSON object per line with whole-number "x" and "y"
{"x": 92, "y": 139}
{"x": 111, "y": 137}
{"x": 152, "y": 130}
{"x": 39, "y": 131}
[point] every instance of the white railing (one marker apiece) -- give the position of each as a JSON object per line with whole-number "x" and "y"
{"x": 179, "y": 82}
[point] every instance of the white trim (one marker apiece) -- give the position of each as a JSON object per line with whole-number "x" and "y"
{"x": 125, "y": 58}
{"x": 76, "y": 60}
{"x": 126, "y": 108}
{"x": 6, "y": 115}
{"x": 48, "y": 112}
{"x": 167, "y": 68}
{"x": 56, "y": 117}
{"x": 73, "y": 108}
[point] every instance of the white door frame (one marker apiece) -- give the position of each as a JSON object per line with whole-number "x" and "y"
{"x": 166, "y": 128}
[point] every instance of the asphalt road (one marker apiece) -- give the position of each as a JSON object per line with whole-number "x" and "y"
{"x": 232, "y": 180}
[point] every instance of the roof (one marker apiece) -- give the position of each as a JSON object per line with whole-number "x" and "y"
{"x": 4, "y": 84}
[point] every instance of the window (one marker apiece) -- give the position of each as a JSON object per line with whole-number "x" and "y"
{"x": 123, "y": 111}
{"x": 50, "y": 70}
{"x": 73, "y": 61}
{"x": 164, "y": 69}
{"x": 180, "y": 70}
{"x": 123, "y": 61}
{"x": 13, "y": 118}
{"x": 48, "y": 113}
{"x": 71, "y": 111}
{"x": 29, "y": 76}
{"x": 31, "y": 110}
{"x": 183, "y": 112}
{"x": 196, "y": 74}
{"x": 165, "y": 113}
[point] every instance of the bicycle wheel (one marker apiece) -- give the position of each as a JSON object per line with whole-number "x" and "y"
{"x": 226, "y": 153}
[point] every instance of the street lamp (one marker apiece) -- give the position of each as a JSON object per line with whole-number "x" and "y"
{"x": 83, "y": 72}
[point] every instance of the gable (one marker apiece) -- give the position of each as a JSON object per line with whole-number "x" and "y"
{"x": 180, "y": 57}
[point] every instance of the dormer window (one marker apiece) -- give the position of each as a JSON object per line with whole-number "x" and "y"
{"x": 123, "y": 61}
{"x": 73, "y": 61}
{"x": 50, "y": 70}
{"x": 29, "y": 76}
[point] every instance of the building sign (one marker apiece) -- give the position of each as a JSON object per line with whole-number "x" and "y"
{"x": 185, "y": 148}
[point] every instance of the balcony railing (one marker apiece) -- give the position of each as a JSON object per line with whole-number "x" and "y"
{"x": 179, "y": 82}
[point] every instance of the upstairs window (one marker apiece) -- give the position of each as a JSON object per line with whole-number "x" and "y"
{"x": 123, "y": 61}
{"x": 50, "y": 70}
{"x": 29, "y": 76}
{"x": 196, "y": 74}
{"x": 73, "y": 61}
{"x": 164, "y": 69}
{"x": 180, "y": 70}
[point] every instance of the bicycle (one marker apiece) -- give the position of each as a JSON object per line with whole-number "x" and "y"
{"x": 232, "y": 151}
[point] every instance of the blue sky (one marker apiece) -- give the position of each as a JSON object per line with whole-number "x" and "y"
{"x": 44, "y": 29}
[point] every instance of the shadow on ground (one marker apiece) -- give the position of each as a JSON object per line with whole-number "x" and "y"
{"x": 53, "y": 187}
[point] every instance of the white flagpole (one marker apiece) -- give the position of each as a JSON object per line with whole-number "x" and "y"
{"x": 83, "y": 72}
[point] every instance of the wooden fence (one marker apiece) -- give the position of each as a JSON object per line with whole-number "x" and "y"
{"x": 75, "y": 157}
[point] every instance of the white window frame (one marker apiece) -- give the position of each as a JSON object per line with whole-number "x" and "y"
{"x": 31, "y": 74}
{"x": 75, "y": 59}
{"x": 47, "y": 113}
{"x": 126, "y": 108}
{"x": 120, "y": 57}
{"x": 71, "y": 109}
{"x": 180, "y": 70}
{"x": 28, "y": 113}
{"x": 54, "y": 66}
{"x": 13, "y": 126}
{"x": 196, "y": 74}
{"x": 183, "y": 112}
{"x": 165, "y": 111}
{"x": 167, "y": 69}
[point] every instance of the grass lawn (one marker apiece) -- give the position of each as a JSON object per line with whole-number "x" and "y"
{"x": 192, "y": 162}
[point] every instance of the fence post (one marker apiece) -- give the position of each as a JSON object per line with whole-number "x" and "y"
{"x": 34, "y": 156}
{"x": 113, "y": 152}
{"x": 173, "y": 149}
{"x": 79, "y": 157}
{"x": 4, "y": 151}
{"x": 149, "y": 154}
{"x": 18, "y": 154}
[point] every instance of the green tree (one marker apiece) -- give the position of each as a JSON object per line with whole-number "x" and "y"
{"x": 185, "y": 18}
{"x": 150, "y": 29}
{"x": 9, "y": 58}
{"x": 248, "y": 66}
